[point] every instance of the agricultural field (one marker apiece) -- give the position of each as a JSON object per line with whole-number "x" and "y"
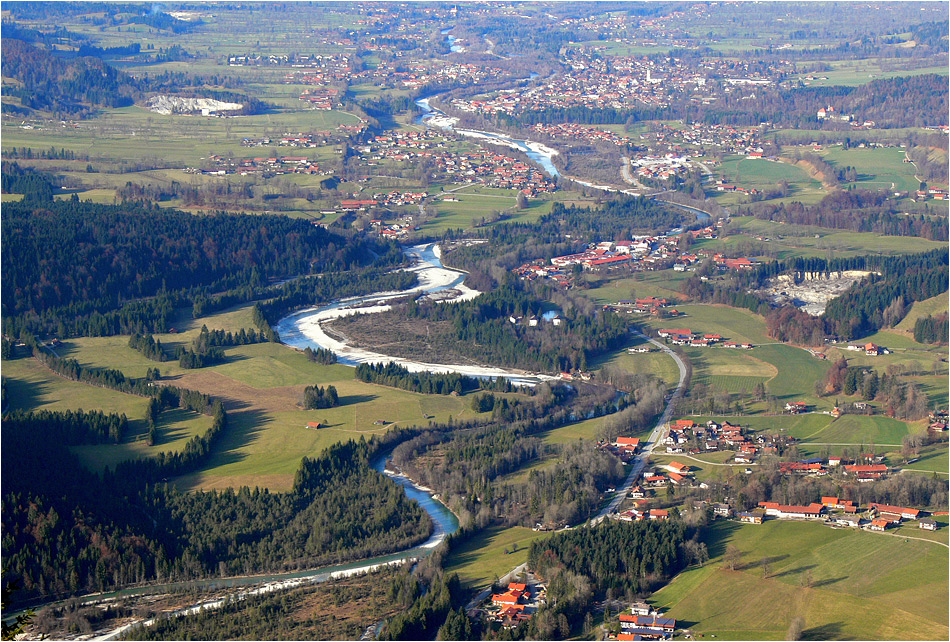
{"x": 655, "y": 362}
{"x": 663, "y": 284}
{"x": 878, "y": 168}
{"x": 786, "y": 241}
{"x": 487, "y": 555}
{"x": 860, "y": 72}
{"x": 763, "y": 174}
{"x": 798, "y": 569}
{"x": 135, "y": 135}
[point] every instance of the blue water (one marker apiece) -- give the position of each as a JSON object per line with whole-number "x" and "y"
{"x": 540, "y": 159}
{"x": 444, "y": 520}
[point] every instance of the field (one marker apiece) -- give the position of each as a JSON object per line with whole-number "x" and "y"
{"x": 786, "y": 241}
{"x": 878, "y": 168}
{"x": 839, "y": 581}
{"x": 31, "y": 386}
{"x": 262, "y": 386}
{"x": 487, "y": 556}
{"x": 928, "y": 307}
{"x": 655, "y": 362}
{"x": 763, "y": 174}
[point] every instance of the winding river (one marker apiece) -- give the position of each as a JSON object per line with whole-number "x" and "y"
{"x": 306, "y": 328}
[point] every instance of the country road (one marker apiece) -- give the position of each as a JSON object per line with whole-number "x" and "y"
{"x": 654, "y": 438}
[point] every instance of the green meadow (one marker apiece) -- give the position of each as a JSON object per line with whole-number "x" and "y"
{"x": 490, "y": 554}
{"x": 839, "y": 581}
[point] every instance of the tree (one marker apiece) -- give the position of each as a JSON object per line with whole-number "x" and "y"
{"x": 795, "y": 628}
{"x": 522, "y": 201}
{"x": 733, "y": 557}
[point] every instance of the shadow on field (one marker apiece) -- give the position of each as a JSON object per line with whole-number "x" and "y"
{"x": 717, "y": 537}
{"x": 765, "y": 560}
{"x": 829, "y": 631}
{"x": 243, "y": 428}
{"x": 350, "y": 399}
{"x": 795, "y": 571}
{"x": 827, "y": 581}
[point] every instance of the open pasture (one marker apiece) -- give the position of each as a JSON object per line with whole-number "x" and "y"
{"x": 487, "y": 555}
{"x": 797, "y": 569}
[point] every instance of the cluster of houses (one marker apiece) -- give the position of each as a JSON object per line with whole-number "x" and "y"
{"x": 582, "y": 132}
{"x": 481, "y": 165}
{"x": 686, "y": 337}
{"x": 839, "y": 512}
{"x": 727, "y": 138}
{"x": 516, "y": 604}
{"x": 687, "y": 435}
{"x": 869, "y": 467}
{"x": 660, "y": 168}
{"x": 648, "y": 305}
{"x": 221, "y": 166}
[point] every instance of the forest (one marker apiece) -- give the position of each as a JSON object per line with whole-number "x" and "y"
{"x": 83, "y": 269}
{"x": 481, "y": 329}
{"x": 68, "y": 530}
{"x": 430, "y": 383}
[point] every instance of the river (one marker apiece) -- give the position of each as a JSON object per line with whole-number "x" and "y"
{"x": 306, "y": 328}
{"x": 444, "y": 524}
{"x": 541, "y": 154}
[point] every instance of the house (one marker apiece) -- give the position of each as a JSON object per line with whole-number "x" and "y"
{"x": 928, "y": 524}
{"x": 752, "y": 517}
{"x": 904, "y": 513}
{"x": 867, "y": 471}
{"x": 659, "y": 513}
{"x": 676, "y": 467}
{"x": 783, "y": 511}
{"x": 627, "y": 444}
{"x": 796, "y": 407}
{"x": 641, "y": 608}
{"x": 829, "y": 502}
{"x": 848, "y": 520}
{"x": 872, "y": 350}
{"x": 315, "y": 425}
{"x": 879, "y": 525}
{"x": 722, "y": 510}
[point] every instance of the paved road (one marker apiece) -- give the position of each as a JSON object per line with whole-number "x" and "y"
{"x": 652, "y": 441}
{"x": 503, "y": 581}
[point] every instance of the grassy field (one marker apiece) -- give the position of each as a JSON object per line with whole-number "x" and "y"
{"x": 878, "y": 168}
{"x": 654, "y": 362}
{"x": 664, "y": 284}
{"x": 482, "y": 559}
{"x": 839, "y": 581}
{"x": 130, "y": 134}
{"x": 929, "y": 307}
{"x": 763, "y": 174}
{"x": 261, "y": 385}
{"x": 30, "y": 386}
{"x": 787, "y": 241}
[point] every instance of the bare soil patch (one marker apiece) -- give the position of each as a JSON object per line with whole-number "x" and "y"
{"x": 237, "y": 396}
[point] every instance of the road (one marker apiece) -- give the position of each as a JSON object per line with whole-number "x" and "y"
{"x": 503, "y": 581}
{"x": 628, "y": 177}
{"x": 641, "y": 461}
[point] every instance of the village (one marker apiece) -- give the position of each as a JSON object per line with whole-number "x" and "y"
{"x": 637, "y": 254}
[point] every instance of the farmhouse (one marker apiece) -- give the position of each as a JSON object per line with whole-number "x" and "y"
{"x": 784, "y": 511}
{"x": 754, "y": 516}
{"x": 928, "y": 524}
{"x": 899, "y": 511}
{"x": 628, "y": 444}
